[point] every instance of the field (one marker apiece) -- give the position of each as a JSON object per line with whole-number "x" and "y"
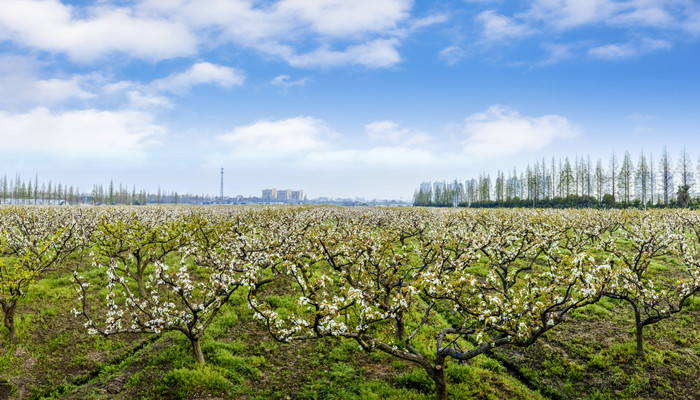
{"x": 348, "y": 303}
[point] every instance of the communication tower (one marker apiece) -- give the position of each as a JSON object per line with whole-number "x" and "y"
{"x": 221, "y": 191}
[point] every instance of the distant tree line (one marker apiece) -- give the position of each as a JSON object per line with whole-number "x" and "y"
{"x": 576, "y": 183}
{"x": 31, "y": 191}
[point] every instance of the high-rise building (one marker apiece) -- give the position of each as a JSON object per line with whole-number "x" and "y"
{"x": 297, "y": 195}
{"x": 284, "y": 195}
{"x": 269, "y": 194}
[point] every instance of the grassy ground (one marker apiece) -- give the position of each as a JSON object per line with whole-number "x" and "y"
{"x": 56, "y": 359}
{"x": 590, "y": 356}
{"x": 594, "y": 356}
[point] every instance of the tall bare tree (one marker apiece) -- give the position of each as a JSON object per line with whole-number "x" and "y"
{"x": 685, "y": 169}
{"x": 613, "y": 174}
{"x": 666, "y": 176}
{"x": 626, "y": 179}
{"x": 567, "y": 184}
{"x": 652, "y": 178}
{"x": 642, "y": 179}
{"x": 599, "y": 180}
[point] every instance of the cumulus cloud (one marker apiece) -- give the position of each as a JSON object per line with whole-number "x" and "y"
{"x": 648, "y": 19}
{"x": 198, "y": 74}
{"x": 374, "y": 54}
{"x": 614, "y": 51}
{"x": 157, "y": 93}
{"x": 52, "y": 26}
{"x": 452, "y": 54}
{"x": 345, "y": 33}
{"x": 501, "y": 131}
{"x": 629, "y": 49}
{"x": 391, "y": 132}
{"x": 21, "y": 85}
{"x": 557, "y": 52}
{"x": 286, "y": 82}
{"x": 567, "y": 14}
{"x": 386, "y": 157}
{"x": 83, "y": 134}
{"x": 266, "y": 138}
{"x": 344, "y": 18}
{"x": 499, "y": 27}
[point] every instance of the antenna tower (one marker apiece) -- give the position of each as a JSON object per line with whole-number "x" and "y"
{"x": 221, "y": 191}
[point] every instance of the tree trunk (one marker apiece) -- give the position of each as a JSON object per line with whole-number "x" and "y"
{"x": 639, "y": 334}
{"x": 9, "y": 320}
{"x": 437, "y": 374}
{"x": 197, "y": 349}
{"x": 139, "y": 279}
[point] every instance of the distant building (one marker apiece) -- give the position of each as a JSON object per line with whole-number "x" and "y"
{"x": 284, "y": 195}
{"x": 297, "y": 195}
{"x": 269, "y": 194}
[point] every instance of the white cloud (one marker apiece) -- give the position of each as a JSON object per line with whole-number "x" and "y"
{"x": 362, "y": 32}
{"x": 20, "y": 84}
{"x": 452, "y": 54}
{"x": 427, "y": 21}
{"x": 391, "y": 132}
{"x": 652, "y": 16}
{"x": 198, "y": 74}
{"x": 567, "y": 14}
{"x": 500, "y": 131}
{"x": 641, "y": 117}
{"x": 386, "y": 157}
{"x": 82, "y": 134}
{"x": 570, "y": 14}
{"x": 141, "y": 101}
{"x": 375, "y": 54}
{"x": 557, "y": 52}
{"x": 151, "y": 96}
{"x": 499, "y": 27}
{"x": 614, "y": 51}
{"x": 52, "y": 26}
{"x": 345, "y": 18}
{"x": 692, "y": 23}
{"x": 629, "y": 49}
{"x": 280, "y": 138}
{"x": 286, "y": 82}
{"x": 397, "y": 157}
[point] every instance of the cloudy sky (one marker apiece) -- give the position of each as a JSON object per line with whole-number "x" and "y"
{"x": 339, "y": 98}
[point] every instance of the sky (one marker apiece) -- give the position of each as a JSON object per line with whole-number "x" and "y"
{"x": 353, "y": 98}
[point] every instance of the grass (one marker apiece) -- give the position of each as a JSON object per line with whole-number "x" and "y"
{"x": 593, "y": 356}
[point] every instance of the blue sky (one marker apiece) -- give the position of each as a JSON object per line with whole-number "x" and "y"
{"x": 361, "y": 98}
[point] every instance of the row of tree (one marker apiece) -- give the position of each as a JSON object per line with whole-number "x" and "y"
{"x": 581, "y": 183}
{"x": 28, "y": 191}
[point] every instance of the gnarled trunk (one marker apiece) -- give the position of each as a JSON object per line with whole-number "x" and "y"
{"x": 9, "y": 320}
{"x": 437, "y": 374}
{"x": 639, "y": 333}
{"x": 197, "y": 350}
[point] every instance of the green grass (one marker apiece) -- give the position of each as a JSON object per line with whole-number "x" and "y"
{"x": 592, "y": 356}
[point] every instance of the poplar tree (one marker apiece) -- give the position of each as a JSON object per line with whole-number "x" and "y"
{"x": 599, "y": 179}
{"x": 642, "y": 178}
{"x": 666, "y": 176}
{"x": 566, "y": 179}
{"x": 685, "y": 168}
{"x": 626, "y": 177}
{"x": 613, "y": 174}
